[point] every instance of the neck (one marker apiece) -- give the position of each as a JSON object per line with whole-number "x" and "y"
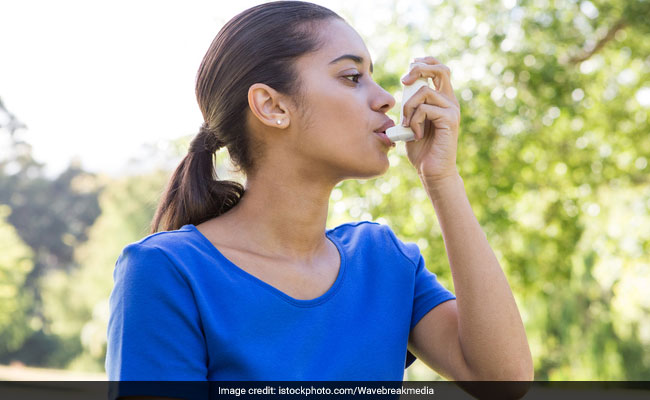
{"x": 283, "y": 215}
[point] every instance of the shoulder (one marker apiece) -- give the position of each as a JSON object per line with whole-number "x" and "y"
{"x": 159, "y": 251}
{"x": 168, "y": 240}
{"x": 375, "y": 236}
{"x": 168, "y": 243}
{"x": 360, "y": 231}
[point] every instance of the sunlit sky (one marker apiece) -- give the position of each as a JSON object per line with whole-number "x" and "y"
{"x": 94, "y": 81}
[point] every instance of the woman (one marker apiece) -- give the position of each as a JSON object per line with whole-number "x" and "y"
{"x": 238, "y": 284}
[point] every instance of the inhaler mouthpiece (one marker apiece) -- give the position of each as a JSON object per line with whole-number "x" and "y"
{"x": 400, "y": 132}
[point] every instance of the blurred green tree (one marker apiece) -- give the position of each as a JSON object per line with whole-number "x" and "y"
{"x": 15, "y": 264}
{"x": 554, "y": 102}
{"x": 51, "y": 216}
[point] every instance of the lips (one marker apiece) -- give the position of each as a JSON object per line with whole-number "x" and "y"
{"x": 387, "y": 124}
{"x": 381, "y": 133}
{"x": 382, "y": 136}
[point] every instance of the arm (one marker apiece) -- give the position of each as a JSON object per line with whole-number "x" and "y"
{"x": 479, "y": 336}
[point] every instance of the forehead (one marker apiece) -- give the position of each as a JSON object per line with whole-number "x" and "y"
{"x": 338, "y": 38}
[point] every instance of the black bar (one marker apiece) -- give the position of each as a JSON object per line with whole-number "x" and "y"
{"x": 314, "y": 390}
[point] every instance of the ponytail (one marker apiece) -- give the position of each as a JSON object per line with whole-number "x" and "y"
{"x": 194, "y": 193}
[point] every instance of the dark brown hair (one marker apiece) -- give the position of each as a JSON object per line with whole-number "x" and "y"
{"x": 258, "y": 45}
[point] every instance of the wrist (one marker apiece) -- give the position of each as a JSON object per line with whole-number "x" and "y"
{"x": 435, "y": 181}
{"x": 440, "y": 188}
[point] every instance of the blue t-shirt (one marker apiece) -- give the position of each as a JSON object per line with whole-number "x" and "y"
{"x": 180, "y": 310}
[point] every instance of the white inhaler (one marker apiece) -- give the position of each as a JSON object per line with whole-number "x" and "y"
{"x": 400, "y": 132}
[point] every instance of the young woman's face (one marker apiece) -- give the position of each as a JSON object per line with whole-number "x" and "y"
{"x": 341, "y": 106}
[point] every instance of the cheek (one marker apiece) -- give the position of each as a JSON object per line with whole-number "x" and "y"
{"x": 334, "y": 115}
{"x": 344, "y": 113}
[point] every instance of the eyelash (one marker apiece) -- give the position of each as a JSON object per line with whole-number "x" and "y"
{"x": 357, "y": 77}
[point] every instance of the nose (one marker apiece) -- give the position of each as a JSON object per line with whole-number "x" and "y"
{"x": 382, "y": 101}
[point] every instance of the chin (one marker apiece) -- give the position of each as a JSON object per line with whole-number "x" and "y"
{"x": 366, "y": 164}
{"x": 376, "y": 168}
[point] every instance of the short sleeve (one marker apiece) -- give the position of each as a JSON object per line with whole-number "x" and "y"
{"x": 154, "y": 329}
{"x": 427, "y": 291}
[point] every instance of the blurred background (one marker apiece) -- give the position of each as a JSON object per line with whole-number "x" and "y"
{"x": 97, "y": 107}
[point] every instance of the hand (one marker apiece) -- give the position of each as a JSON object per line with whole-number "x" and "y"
{"x": 434, "y": 116}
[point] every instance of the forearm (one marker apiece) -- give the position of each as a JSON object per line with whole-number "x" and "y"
{"x": 491, "y": 333}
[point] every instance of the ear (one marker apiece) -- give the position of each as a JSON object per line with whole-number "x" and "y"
{"x": 268, "y": 106}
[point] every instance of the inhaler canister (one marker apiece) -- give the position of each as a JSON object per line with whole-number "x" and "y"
{"x": 400, "y": 132}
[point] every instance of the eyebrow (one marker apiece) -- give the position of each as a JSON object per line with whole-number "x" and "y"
{"x": 356, "y": 59}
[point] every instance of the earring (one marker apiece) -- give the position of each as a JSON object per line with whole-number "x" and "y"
{"x": 279, "y": 122}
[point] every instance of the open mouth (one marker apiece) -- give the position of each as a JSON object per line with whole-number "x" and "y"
{"x": 382, "y": 136}
{"x": 381, "y": 133}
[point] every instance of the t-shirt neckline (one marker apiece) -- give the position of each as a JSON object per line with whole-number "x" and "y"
{"x": 297, "y": 302}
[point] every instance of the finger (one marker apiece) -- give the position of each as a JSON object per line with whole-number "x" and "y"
{"x": 424, "y": 95}
{"x": 427, "y": 126}
{"x": 428, "y": 60}
{"x": 442, "y": 118}
{"x": 439, "y": 73}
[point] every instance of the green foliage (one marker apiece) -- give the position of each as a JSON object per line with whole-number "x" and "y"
{"x": 15, "y": 264}
{"x": 551, "y": 133}
{"x": 50, "y": 216}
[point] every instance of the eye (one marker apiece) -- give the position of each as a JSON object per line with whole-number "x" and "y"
{"x": 355, "y": 77}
